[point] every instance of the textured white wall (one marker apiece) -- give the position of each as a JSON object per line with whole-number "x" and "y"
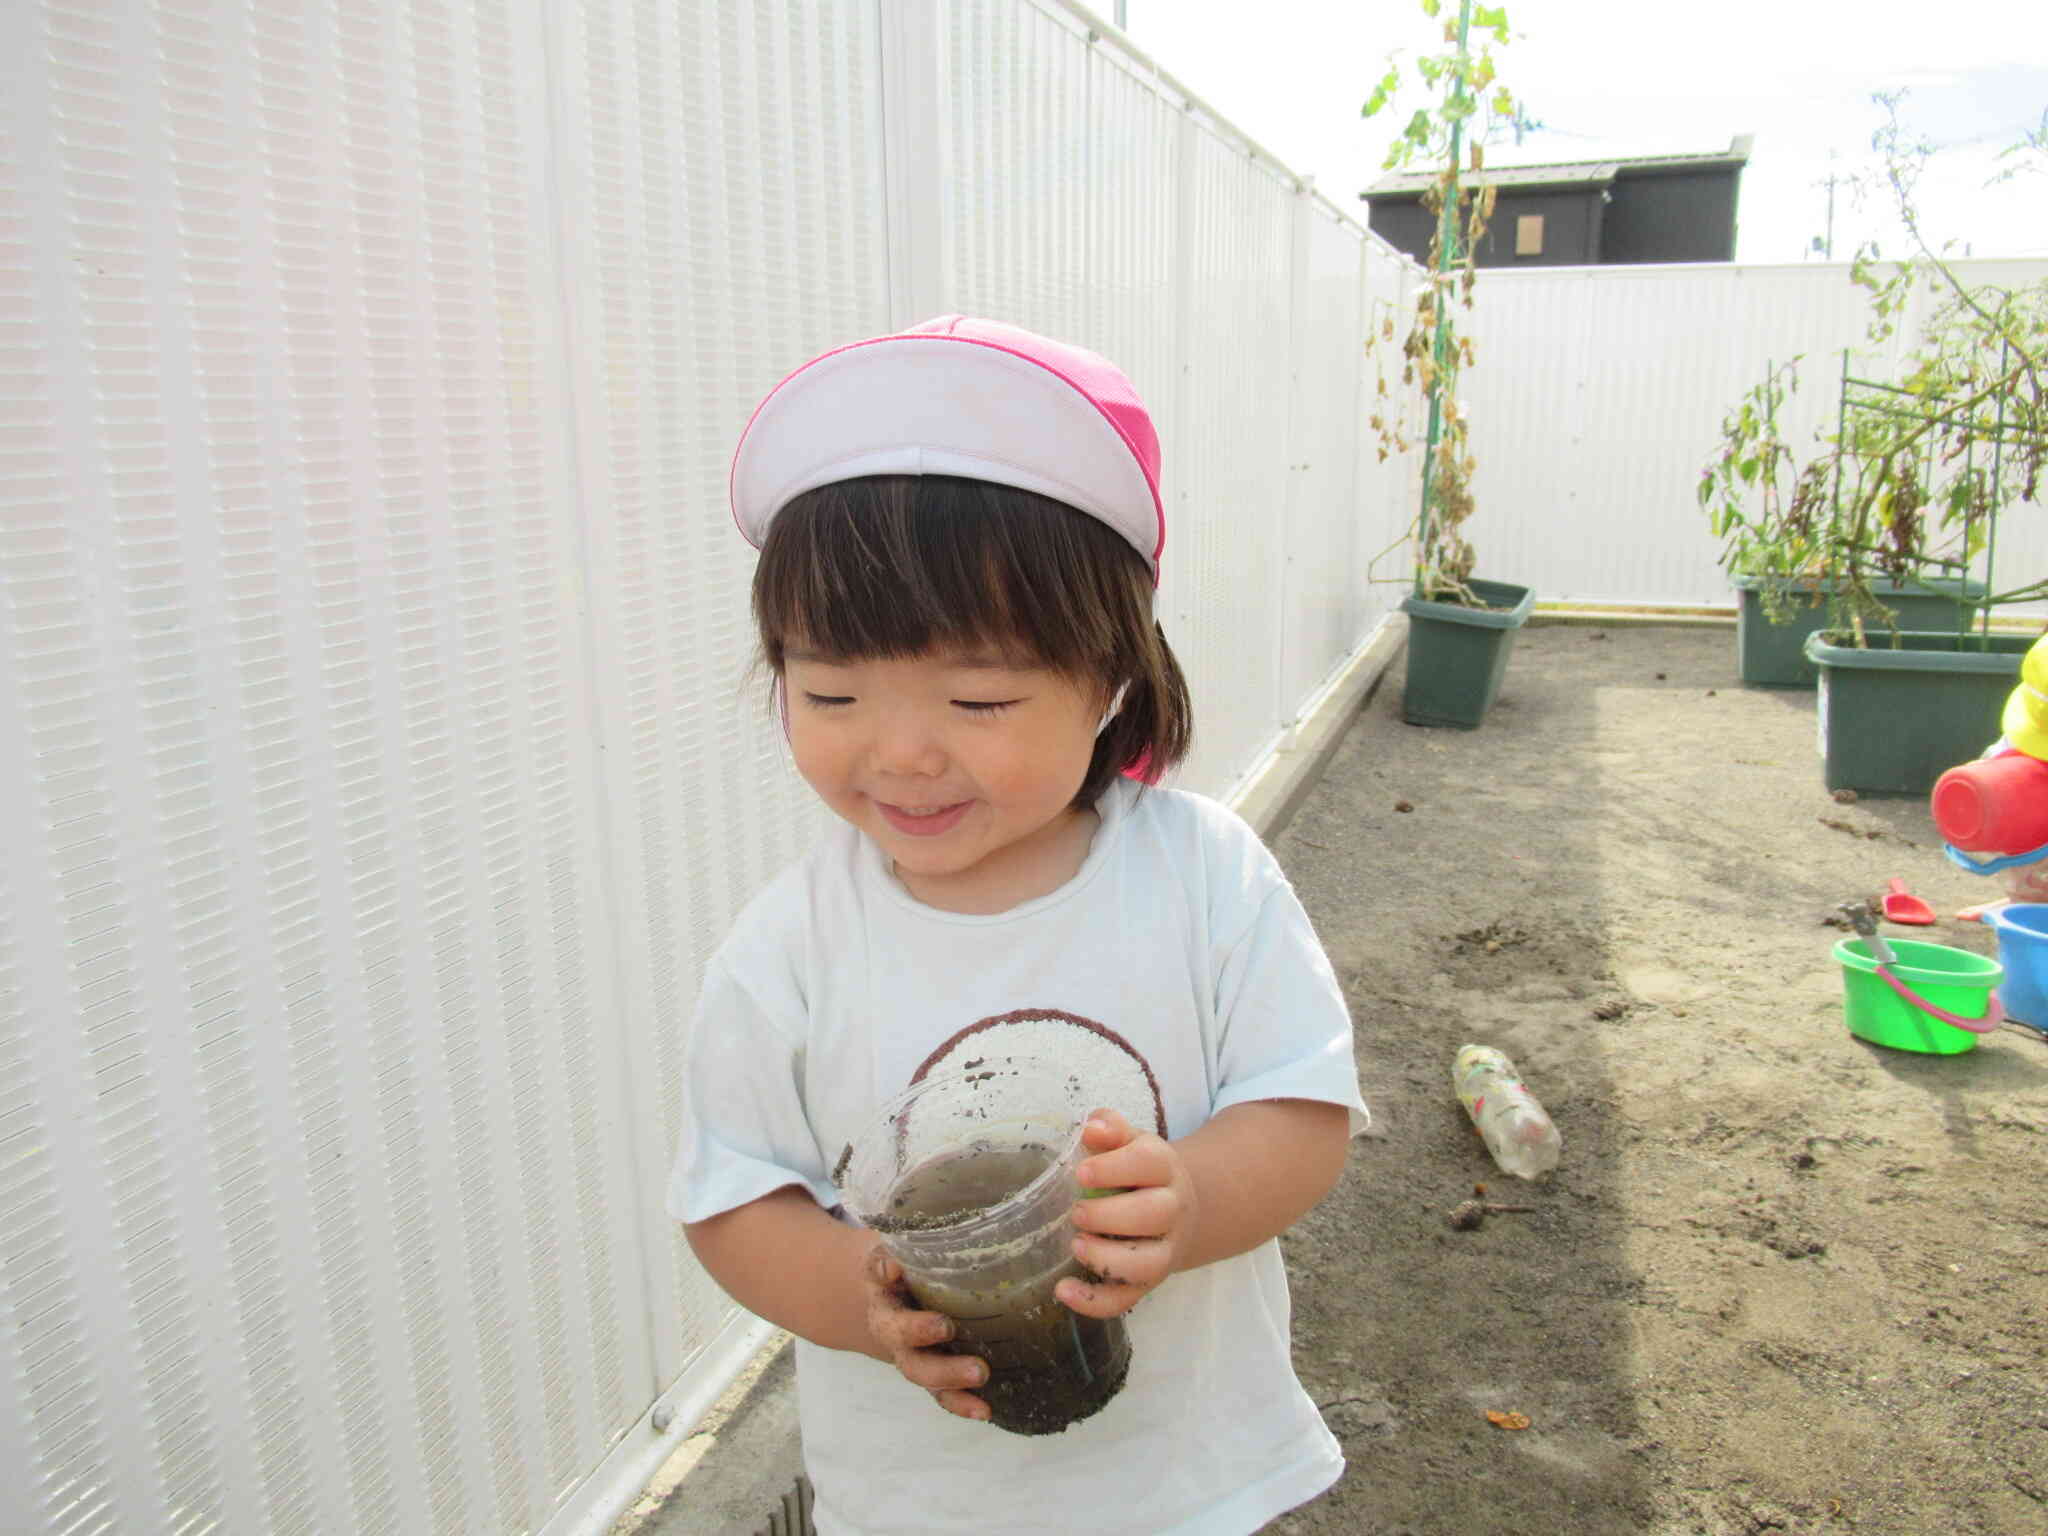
{"x": 379, "y": 762}
{"x": 1599, "y": 397}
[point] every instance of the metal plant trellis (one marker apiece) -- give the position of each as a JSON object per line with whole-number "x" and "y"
{"x": 1460, "y": 85}
{"x": 1963, "y": 547}
{"x": 1868, "y": 507}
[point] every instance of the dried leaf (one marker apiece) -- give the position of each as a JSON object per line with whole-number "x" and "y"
{"x": 1507, "y": 1420}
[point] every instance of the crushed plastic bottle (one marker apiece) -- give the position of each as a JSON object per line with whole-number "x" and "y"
{"x": 1517, "y": 1130}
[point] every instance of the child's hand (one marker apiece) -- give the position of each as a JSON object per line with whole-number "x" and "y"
{"x": 907, "y": 1338}
{"x": 1133, "y": 1239}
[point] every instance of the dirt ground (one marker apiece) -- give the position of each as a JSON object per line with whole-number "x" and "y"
{"x": 1783, "y": 1280}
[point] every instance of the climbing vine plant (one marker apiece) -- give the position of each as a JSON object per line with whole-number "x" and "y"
{"x": 1465, "y": 108}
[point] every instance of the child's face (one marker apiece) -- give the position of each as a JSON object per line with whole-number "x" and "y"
{"x": 962, "y": 767}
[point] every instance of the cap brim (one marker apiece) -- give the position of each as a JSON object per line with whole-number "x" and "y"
{"x": 940, "y": 405}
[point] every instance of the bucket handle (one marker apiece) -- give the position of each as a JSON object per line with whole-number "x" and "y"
{"x": 1994, "y": 1013}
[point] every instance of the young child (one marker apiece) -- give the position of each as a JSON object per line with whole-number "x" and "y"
{"x": 960, "y": 529}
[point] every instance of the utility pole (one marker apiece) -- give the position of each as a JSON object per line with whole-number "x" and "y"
{"x": 1826, "y": 244}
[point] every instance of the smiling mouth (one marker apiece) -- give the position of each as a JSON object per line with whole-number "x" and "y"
{"x": 923, "y": 821}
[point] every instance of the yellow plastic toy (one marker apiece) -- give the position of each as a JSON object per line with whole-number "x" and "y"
{"x": 2025, "y": 722}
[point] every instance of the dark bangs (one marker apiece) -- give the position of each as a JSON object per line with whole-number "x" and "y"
{"x": 898, "y": 565}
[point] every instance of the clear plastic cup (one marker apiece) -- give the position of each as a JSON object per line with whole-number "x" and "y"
{"x": 968, "y": 1178}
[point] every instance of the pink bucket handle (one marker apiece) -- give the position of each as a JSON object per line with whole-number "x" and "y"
{"x": 1994, "y": 1013}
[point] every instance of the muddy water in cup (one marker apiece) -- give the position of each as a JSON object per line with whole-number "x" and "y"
{"x": 1048, "y": 1366}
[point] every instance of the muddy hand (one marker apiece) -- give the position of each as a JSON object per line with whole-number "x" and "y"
{"x": 911, "y": 1340}
{"x": 1129, "y": 1240}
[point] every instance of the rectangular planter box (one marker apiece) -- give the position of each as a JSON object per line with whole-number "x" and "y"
{"x": 1892, "y": 721}
{"x": 1457, "y": 656}
{"x": 1771, "y": 655}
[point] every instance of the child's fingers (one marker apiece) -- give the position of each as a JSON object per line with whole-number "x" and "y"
{"x": 903, "y": 1330}
{"x": 1131, "y": 1164}
{"x": 939, "y": 1373}
{"x": 914, "y": 1341}
{"x": 884, "y": 1273}
{"x": 1105, "y": 1131}
{"x": 964, "y": 1404}
{"x": 1100, "y": 1297}
{"x": 1142, "y": 1212}
{"x": 1143, "y": 1262}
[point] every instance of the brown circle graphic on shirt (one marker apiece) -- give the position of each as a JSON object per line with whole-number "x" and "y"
{"x": 1106, "y": 1064}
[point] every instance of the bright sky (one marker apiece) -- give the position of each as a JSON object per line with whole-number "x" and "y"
{"x": 1606, "y": 78}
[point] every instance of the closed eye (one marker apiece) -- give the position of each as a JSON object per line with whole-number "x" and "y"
{"x": 827, "y": 700}
{"x": 986, "y": 706}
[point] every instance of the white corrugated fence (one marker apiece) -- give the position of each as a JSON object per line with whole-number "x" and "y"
{"x": 1599, "y": 397}
{"x": 379, "y": 761}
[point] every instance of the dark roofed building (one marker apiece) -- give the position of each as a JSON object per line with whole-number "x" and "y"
{"x": 1586, "y": 212}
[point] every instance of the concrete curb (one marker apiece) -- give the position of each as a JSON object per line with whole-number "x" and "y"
{"x": 731, "y": 1472}
{"x": 1275, "y": 791}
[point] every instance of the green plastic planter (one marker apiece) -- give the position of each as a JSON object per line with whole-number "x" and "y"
{"x": 1771, "y": 655}
{"x": 1457, "y": 656}
{"x": 1894, "y": 719}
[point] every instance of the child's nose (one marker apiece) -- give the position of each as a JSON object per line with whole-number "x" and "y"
{"x": 907, "y": 743}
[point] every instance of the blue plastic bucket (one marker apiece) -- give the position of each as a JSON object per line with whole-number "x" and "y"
{"x": 2022, "y": 930}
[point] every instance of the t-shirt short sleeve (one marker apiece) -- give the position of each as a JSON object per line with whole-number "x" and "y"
{"x": 745, "y": 1133}
{"x": 1285, "y": 1032}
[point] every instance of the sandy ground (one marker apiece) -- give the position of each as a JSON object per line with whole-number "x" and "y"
{"x": 1784, "y": 1280}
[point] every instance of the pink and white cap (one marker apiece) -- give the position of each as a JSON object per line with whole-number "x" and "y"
{"x": 958, "y": 396}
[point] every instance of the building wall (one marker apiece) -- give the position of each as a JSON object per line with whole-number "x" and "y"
{"x": 1650, "y": 217}
{"x": 1405, "y": 225}
{"x": 1672, "y": 216}
{"x": 1571, "y": 228}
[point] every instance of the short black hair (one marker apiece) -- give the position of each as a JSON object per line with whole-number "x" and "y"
{"x": 891, "y": 566}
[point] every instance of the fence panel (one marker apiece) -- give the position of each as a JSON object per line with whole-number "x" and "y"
{"x": 1599, "y": 396}
{"x": 315, "y": 1096}
{"x": 372, "y": 646}
{"x": 723, "y": 199}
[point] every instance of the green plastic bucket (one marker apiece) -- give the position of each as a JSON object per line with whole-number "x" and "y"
{"x": 1954, "y": 980}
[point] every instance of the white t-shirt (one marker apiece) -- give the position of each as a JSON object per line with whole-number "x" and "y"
{"x": 1179, "y": 936}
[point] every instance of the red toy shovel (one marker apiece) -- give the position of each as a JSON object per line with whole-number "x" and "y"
{"x": 1902, "y": 908}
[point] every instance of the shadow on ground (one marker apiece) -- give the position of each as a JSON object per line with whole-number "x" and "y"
{"x": 1776, "y": 1260}
{"x": 1438, "y": 939}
